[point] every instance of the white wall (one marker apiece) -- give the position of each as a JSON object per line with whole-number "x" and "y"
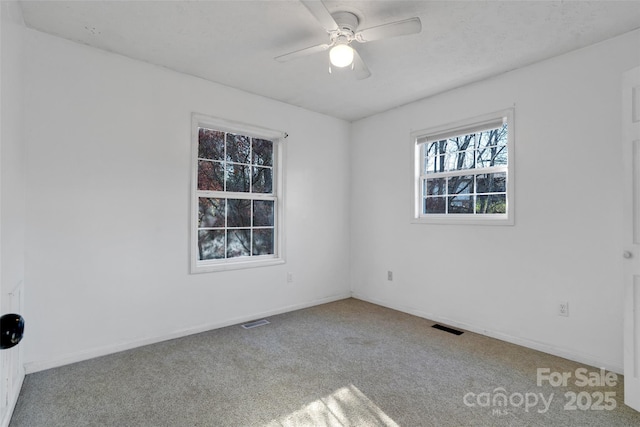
{"x": 108, "y": 193}
{"x": 12, "y": 195}
{"x": 506, "y": 281}
{"x": 108, "y": 149}
{"x": 12, "y": 223}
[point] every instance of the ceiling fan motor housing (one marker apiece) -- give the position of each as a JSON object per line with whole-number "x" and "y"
{"x": 347, "y": 25}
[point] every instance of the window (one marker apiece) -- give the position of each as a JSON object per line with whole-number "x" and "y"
{"x": 464, "y": 171}
{"x": 237, "y": 196}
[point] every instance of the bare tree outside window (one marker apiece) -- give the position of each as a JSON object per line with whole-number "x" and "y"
{"x": 233, "y": 168}
{"x": 466, "y": 173}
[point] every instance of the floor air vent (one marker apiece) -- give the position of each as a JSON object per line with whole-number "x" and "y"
{"x": 446, "y": 329}
{"x": 255, "y": 324}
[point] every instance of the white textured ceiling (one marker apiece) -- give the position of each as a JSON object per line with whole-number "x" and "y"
{"x": 234, "y": 42}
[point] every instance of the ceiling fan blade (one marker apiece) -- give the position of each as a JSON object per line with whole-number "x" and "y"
{"x": 302, "y": 52}
{"x": 320, "y": 11}
{"x": 359, "y": 67}
{"x": 392, "y": 29}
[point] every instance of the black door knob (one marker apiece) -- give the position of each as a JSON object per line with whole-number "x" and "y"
{"x": 11, "y": 330}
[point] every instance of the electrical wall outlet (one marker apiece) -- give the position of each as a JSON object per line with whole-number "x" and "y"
{"x": 289, "y": 277}
{"x": 563, "y": 308}
{"x": 390, "y": 275}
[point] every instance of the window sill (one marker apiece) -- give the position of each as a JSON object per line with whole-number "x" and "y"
{"x": 234, "y": 265}
{"x": 464, "y": 220}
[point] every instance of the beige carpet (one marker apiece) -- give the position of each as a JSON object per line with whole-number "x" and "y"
{"x": 347, "y": 363}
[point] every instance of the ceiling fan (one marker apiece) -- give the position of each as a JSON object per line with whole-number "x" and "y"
{"x": 342, "y": 27}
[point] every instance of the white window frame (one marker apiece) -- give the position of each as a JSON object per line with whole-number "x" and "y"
{"x": 419, "y": 139}
{"x": 278, "y": 138}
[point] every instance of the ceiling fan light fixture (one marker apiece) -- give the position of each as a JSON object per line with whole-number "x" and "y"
{"x": 341, "y": 55}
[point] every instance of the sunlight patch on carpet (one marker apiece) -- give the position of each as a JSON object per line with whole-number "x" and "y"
{"x": 346, "y": 406}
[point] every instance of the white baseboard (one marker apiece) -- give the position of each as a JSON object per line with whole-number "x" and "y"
{"x": 543, "y": 347}
{"x": 13, "y": 399}
{"x": 36, "y": 366}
